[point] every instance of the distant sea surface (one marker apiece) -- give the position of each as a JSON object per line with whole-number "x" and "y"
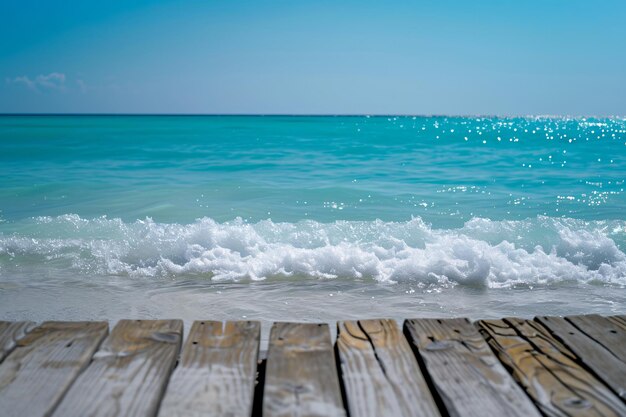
{"x": 310, "y": 218}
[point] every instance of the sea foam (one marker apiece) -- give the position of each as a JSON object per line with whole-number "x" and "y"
{"x": 539, "y": 251}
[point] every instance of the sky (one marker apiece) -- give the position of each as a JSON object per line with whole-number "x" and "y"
{"x": 532, "y": 57}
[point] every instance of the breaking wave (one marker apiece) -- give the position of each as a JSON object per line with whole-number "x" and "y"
{"x": 483, "y": 252}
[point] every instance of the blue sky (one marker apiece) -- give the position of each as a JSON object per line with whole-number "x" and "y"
{"x": 355, "y": 57}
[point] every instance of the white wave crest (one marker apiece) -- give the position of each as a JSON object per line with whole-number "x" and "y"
{"x": 482, "y": 253}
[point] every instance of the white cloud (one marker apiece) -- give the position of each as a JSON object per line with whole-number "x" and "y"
{"x": 52, "y": 81}
{"x": 23, "y": 80}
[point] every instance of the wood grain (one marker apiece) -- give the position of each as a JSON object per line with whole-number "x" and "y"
{"x": 598, "y": 343}
{"x": 465, "y": 373}
{"x": 10, "y": 333}
{"x": 547, "y": 371}
{"x": 301, "y": 374}
{"x": 129, "y": 373}
{"x": 619, "y": 321}
{"x": 45, "y": 362}
{"x": 217, "y": 371}
{"x": 609, "y": 332}
{"x": 380, "y": 373}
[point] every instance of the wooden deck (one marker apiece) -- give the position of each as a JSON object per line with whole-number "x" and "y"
{"x": 552, "y": 366}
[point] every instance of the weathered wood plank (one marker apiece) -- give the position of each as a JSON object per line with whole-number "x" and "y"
{"x": 129, "y": 373}
{"x": 380, "y": 373}
{"x": 217, "y": 371}
{"x": 301, "y": 374}
{"x": 12, "y": 332}
{"x": 545, "y": 369}
{"x": 598, "y": 343}
{"x": 619, "y": 320}
{"x": 37, "y": 373}
{"x": 611, "y": 333}
{"x": 465, "y": 373}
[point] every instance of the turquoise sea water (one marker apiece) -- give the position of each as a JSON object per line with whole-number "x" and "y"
{"x": 444, "y": 170}
{"x": 262, "y": 211}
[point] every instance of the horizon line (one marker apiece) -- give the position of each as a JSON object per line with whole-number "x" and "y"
{"x": 504, "y": 116}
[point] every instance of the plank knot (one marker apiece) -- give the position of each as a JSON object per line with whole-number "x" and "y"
{"x": 439, "y": 345}
{"x": 575, "y": 402}
{"x": 167, "y": 337}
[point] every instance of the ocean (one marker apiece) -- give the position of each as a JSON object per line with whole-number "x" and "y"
{"x": 310, "y": 218}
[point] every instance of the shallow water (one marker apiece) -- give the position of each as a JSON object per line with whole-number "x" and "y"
{"x": 310, "y": 218}
{"x": 114, "y": 298}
